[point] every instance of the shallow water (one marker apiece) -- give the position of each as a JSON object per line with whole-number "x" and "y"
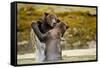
{"x": 65, "y": 59}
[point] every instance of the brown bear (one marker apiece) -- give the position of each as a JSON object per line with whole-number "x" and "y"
{"x": 44, "y": 24}
{"x": 53, "y": 45}
{"x": 40, "y": 27}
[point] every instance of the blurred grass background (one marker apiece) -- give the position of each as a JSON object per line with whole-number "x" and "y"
{"x": 80, "y": 35}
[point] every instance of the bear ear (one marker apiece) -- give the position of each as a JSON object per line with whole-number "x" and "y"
{"x": 58, "y": 20}
{"x": 46, "y": 14}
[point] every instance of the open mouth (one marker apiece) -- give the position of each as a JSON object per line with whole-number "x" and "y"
{"x": 54, "y": 24}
